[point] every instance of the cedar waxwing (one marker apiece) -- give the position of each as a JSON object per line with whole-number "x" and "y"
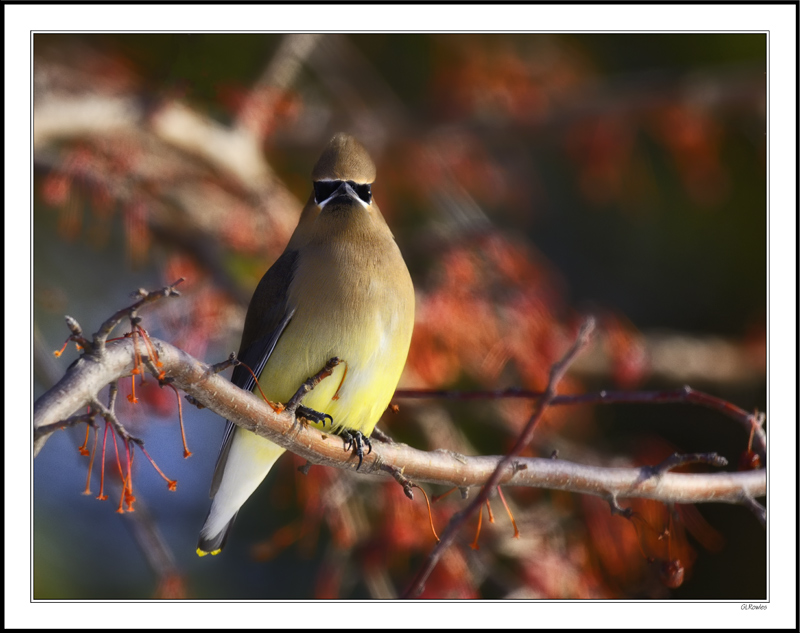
{"x": 340, "y": 289}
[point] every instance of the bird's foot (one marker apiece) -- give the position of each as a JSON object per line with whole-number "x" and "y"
{"x": 312, "y": 416}
{"x": 356, "y": 441}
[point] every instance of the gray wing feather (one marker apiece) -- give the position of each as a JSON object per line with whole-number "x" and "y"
{"x": 264, "y": 350}
{"x": 266, "y": 320}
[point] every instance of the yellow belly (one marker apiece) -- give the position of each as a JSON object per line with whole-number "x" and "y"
{"x": 345, "y": 305}
{"x": 360, "y": 387}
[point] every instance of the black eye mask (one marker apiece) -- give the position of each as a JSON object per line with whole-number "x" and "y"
{"x": 324, "y": 189}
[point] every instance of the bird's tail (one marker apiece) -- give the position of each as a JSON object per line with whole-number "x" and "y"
{"x": 214, "y": 544}
{"x": 244, "y": 467}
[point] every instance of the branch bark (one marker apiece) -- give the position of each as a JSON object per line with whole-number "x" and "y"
{"x": 88, "y": 375}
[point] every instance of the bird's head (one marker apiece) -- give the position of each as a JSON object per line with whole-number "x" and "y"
{"x": 343, "y": 174}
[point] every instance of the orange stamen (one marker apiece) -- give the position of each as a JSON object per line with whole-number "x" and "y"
{"x": 137, "y": 363}
{"x": 119, "y": 509}
{"x": 336, "y": 395}
{"x": 436, "y": 498}
{"x": 151, "y": 347}
{"x": 128, "y": 488}
{"x": 277, "y": 408}
{"x": 186, "y": 451}
{"x": 474, "y": 544}
{"x": 91, "y": 463}
{"x": 121, "y": 475}
{"x": 151, "y": 350}
{"x": 82, "y": 449}
{"x": 510, "y": 516}
{"x": 58, "y": 352}
{"x": 116, "y": 450}
{"x": 132, "y": 394}
{"x": 753, "y": 425}
{"x": 489, "y": 508}
{"x": 101, "y": 496}
{"x": 171, "y": 483}
{"x": 430, "y": 514}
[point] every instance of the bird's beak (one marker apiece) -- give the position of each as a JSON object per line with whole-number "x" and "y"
{"x": 343, "y": 193}
{"x": 345, "y": 190}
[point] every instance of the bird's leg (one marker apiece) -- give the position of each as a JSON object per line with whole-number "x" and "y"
{"x": 356, "y": 441}
{"x": 381, "y": 436}
{"x": 294, "y": 406}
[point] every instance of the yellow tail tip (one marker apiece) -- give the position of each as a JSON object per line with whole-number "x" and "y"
{"x": 202, "y": 553}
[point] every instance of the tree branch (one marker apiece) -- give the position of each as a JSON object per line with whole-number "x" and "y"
{"x": 87, "y": 376}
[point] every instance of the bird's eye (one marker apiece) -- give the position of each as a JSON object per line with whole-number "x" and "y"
{"x": 364, "y": 191}
{"x": 324, "y": 189}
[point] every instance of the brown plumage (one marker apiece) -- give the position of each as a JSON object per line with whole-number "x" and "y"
{"x": 344, "y": 159}
{"x": 341, "y": 288}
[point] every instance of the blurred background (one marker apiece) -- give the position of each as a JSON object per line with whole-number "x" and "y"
{"x": 529, "y": 180}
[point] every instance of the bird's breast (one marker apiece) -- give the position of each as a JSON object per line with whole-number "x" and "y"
{"x": 356, "y": 304}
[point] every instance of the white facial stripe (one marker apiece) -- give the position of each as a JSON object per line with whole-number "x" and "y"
{"x": 358, "y": 182}
{"x": 350, "y": 193}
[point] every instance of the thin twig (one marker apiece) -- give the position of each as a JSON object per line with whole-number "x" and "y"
{"x": 618, "y": 509}
{"x": 77, "y": 333}
{"x": 100, "y": 337}
{"x": 757, "y": 509}
{"x": 381, "y": 436}
{"x": 556, "y": 374}
{"x": 309, "y": 384}
{"x": 111, "y": 417}
{"x": 42, "y": 431}
{"x": 231, "y": 361}
{"x": 686, "y": 394}
{"x": 404, "y": 481}
{"x": 676, "y": 460}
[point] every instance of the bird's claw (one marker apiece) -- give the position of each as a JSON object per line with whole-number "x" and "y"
{"x": 312, "y": 415}
{"x": 356, "y": 441}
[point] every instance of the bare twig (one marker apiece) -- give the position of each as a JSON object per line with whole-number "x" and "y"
{"x": 756, "y": 508}
{"x": 100, "y": 337}
{"x": 111, "y": 417}
{"x": 406, "y": 483}
{"x": 309, "y": 384}
{"x": 379, "y": 435}
{"x": 77, "y": 332}
{"x": 676, "y": 459}
{"x": 556, "y": 374}
{"x": 618, "y": 509}
{"x": 686, "y": 394}
{"x": 231, "y": 361}
{"x": 42, "y": 431}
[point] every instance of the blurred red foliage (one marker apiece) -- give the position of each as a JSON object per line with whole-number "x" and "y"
{"x": 490, "y": 311}
{"x": 503, "y": 82}
{"x": 602, "y": 149}
{"x": 693, "y": 138}
{"x": 491, "y": 303}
